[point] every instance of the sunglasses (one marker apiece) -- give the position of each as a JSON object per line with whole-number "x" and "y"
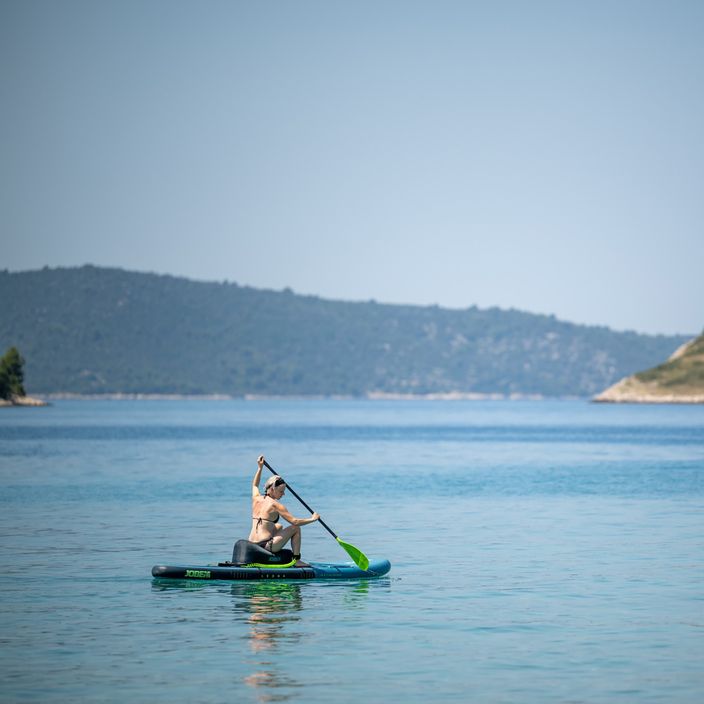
{"x": 279, "y": 482}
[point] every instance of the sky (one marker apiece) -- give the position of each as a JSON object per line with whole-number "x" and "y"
{"x": 543, "y": 156}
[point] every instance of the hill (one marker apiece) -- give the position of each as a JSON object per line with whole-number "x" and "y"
{"x": 679, "y": 380}
{"x": 93, "y": 330}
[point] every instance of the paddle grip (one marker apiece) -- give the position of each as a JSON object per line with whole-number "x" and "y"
{"x": 290, "y": 488}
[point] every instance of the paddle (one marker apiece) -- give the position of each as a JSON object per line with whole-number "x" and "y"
{"x": 358, "y": 557}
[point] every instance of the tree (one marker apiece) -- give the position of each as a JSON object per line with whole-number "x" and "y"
{"x": 4, "y": 384}
{"x": 12, "y": 374}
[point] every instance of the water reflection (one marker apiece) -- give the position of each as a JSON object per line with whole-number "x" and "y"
{"x": 277, "y": 618}
{"x": 180, "y": 585}
{"x": 274, "y": 614}
{"x": 356, "y": 596}
{"x": 271, "y": 610}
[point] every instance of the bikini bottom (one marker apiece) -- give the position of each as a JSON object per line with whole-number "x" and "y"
{"x": 266, "y": 544}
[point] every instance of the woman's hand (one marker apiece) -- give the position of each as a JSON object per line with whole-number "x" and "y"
{"x": 257, "y": 477}
{"x": 315, "y": 516}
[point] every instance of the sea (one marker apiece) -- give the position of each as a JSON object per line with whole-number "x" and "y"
{"x": 542, "y": 551}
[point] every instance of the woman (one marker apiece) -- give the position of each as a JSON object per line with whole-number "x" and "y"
{"x": 266, "y": 531}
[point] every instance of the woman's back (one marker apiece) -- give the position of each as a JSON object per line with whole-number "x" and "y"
{"x": 264, "y": 517}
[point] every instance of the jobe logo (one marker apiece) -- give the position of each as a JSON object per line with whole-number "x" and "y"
{"x": 198, "y": 574}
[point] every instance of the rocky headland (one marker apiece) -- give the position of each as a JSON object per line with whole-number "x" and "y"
{"x": 679, "y": 380}
{"x": 22, "y": 401}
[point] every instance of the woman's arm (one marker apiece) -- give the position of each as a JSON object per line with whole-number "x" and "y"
{"x": 284, "y": 513}
{"x": 257, "y": 476}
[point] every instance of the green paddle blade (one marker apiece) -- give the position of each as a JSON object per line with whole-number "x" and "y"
{"x": 358, "y": 557}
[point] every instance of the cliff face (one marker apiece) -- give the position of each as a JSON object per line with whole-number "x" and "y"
{"x": 679, "y": 380}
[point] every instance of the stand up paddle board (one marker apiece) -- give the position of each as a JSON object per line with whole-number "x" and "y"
{"x": 251, "y": 561}
{"x": 317, "y": 570}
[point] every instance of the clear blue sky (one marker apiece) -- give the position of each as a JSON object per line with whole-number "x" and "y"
{"x": 546, "y": 156}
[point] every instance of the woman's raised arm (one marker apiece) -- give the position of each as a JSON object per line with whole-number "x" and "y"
{"x": 257, "y": 476}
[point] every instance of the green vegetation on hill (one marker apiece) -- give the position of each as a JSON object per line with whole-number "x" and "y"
{"x": 95, "y": 330}
{"x": 683, "y": 372}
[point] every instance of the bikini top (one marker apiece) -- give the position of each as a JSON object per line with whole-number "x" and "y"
{"x": 259, "y": 519}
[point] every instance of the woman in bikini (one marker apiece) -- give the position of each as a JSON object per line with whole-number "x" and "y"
{"x": 266, "y": 531}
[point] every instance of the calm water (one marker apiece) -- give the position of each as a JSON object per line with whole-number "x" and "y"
{"x": 542, "y": 552}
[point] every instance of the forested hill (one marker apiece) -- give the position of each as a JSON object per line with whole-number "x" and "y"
{"x": 94, "y": 330}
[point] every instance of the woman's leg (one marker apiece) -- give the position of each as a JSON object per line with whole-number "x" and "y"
{"x": 292, "y": 533}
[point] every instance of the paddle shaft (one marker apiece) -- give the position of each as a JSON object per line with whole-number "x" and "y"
{"x": 290, "y": 488}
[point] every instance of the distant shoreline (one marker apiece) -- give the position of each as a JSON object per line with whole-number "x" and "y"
{"x": 372, "y": 396}
{"x": 603, "y": 398}
{"x": 644, "y": 399}
{"x": 23, "y": 401}
{"x": 651, "y": 399}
